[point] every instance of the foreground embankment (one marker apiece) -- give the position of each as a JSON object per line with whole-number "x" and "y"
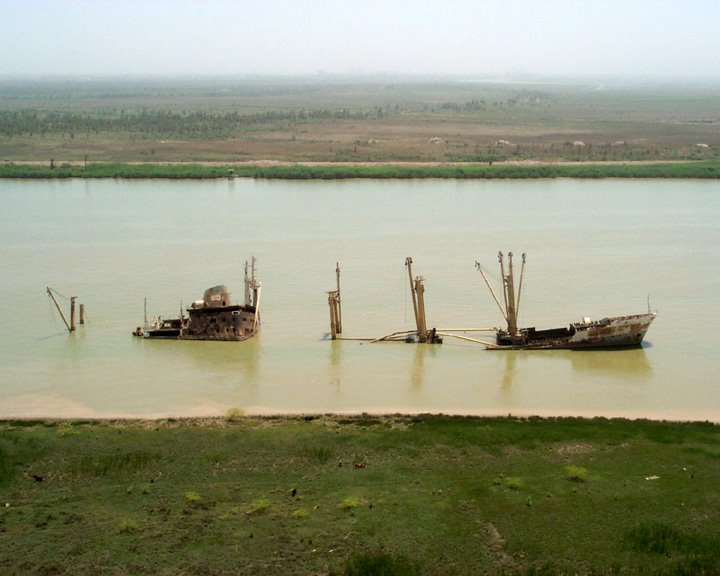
{"x": 337, "y": 171}
{"x": 358, "y": 495}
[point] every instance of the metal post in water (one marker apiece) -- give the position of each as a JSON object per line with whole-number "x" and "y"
{"x": 502, "y": 275}
{"x": 511, "y": 314}
{"x": 247, "y": 285}
{"x": 421, "y": 323}
{"x": 72, "y": 313}
{"x": 255, "y": 287}
{"x": 408, "y": 263}
{"x": 333, "y": 304}
{"x": 339, "y": 301}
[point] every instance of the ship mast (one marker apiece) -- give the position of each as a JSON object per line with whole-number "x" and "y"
{"x": 71, "y": 325}
{"x": 339, "y": 304}
{"x": 247, "y": 285}
{"x": 252, "y": 291}
{"x": 417, "y": 291}
{"x": 512, "y": 300}
{"x": 252, "y": 286}
{"x": 335, "y": 308}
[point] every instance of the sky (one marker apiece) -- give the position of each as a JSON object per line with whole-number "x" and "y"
{"x": 480, "y": 38}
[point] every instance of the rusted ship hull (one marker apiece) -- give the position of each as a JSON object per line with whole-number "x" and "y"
{"x": 212, "y": 318}
{"x": 229, "y": 323}
{"x": 619, "y": 331}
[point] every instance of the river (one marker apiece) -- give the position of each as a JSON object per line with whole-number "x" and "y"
{"x": 594, "y": 248}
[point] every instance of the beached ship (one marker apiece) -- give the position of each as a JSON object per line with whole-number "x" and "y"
{"x": 212, "y": 318}
{"x": 618, "y": 331}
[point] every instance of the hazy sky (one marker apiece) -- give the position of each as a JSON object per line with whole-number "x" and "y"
{"x": 666, "y": 38}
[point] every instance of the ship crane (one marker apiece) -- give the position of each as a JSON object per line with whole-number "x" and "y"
{"x": 511, "y": 300}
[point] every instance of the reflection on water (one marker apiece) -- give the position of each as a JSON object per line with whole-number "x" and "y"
{"x": 630, "y": 362}
{"x": 336, "y": 368}
{"x": 417, "y": 370}
{"x": 619, "y": 364}
{"x": 509, "y": 373}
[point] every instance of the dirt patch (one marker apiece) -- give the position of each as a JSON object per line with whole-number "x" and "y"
{"x": 496, "y": 543}
{"x": 566, "y": 451}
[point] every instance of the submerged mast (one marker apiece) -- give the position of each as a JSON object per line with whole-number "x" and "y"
{"x": 408, "y": 263}
{"x": 334, "y": 304}
{"x": 247, "y": 285}
{"x": 252, "y": 286}
{"x": 71, "y": 326}
{"x": 339, "y": 304}
{"x": 416, "y": 291}
{"x": 519, "y": 293}
{"x": 510, "y": 299}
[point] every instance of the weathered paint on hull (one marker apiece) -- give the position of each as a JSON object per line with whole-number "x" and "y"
{"x": 620, "y": 331}
{"x": 228, "y": 323}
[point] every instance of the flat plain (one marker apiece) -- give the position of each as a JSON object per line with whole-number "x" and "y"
{"x": 371, "y": 120}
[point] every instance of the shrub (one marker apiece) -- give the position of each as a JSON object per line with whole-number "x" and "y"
{"x": 259, "y": 507}
{"x": 576, "y": 473}
{"x": 349, "y": 503}
{"x": 235, "y": 414}
{"x": 513, "y": 483}
{"x": 192, "y": 497}
{"x": 128, "y": 526}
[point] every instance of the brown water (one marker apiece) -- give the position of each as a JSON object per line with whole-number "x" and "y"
{"x": 595, "y": 248}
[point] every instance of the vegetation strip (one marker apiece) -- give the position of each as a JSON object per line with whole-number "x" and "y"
{"x": 359, "y": 495}
{"x": 299, "y": 171}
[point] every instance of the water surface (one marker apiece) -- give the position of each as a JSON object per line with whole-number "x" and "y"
{"x": 595, "y": 248}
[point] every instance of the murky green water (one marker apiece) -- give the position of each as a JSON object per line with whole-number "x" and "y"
{"x": 595, "y": 248}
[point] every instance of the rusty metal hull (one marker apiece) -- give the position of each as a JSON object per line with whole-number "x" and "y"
{"x": 619, "y": 331}
{"x": 226, "y": 323}
{"x": 212, "y": 318}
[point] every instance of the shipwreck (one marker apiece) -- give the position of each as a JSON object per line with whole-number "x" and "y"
{"x": 214, "y": 317}
{"x": 617, "y": 331}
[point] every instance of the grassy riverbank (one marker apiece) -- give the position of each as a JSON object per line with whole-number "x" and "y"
{"x": 413, "y": 495}
{"x": 330, "y": 171}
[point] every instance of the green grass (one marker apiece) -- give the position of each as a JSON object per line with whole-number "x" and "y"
{"x": 434, "y": 495}
{"x": 699, "y": 169}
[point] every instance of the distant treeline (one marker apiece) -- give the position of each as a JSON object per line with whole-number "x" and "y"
{"x": 702, "y": 169}
{"x": 157, "y": 122}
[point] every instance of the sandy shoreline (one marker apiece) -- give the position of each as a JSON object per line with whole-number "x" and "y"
{"x": 213, "y": 418}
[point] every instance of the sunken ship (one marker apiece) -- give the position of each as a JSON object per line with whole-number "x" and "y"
{"x": 617, "y": 331}
{"x": 214, "y": 317}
